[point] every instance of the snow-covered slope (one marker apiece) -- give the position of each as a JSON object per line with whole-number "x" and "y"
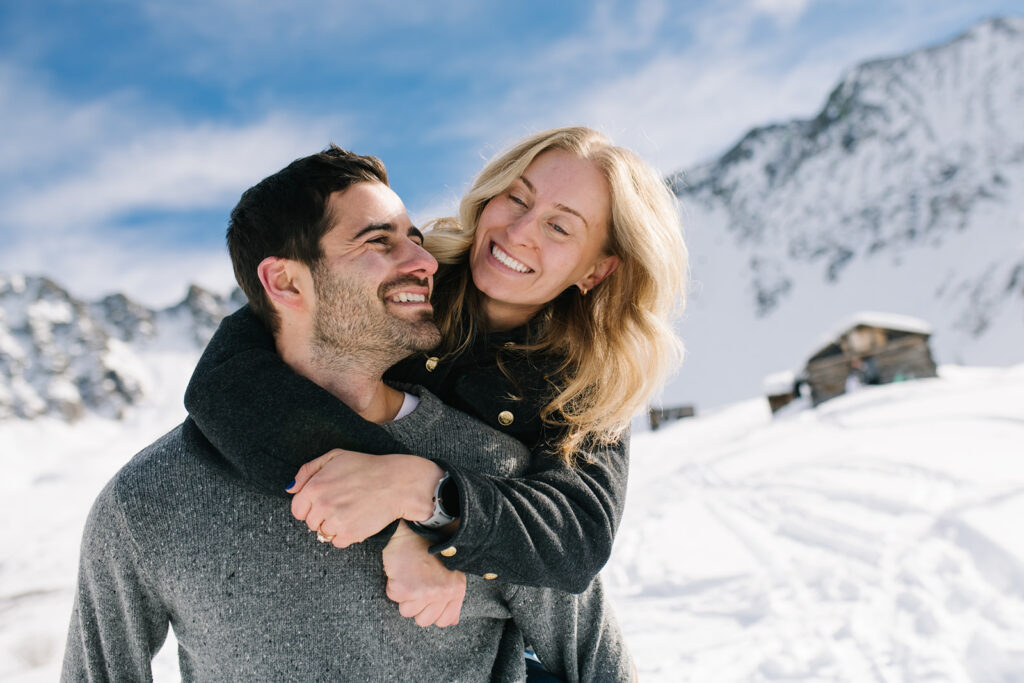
{"x": 873, "y": 538}
{"x": 904, "y": 194}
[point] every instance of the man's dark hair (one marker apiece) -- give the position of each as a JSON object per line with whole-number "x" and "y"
{"x": 285, "y": 215}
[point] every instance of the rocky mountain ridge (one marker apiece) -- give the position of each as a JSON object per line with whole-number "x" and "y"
{"x": 904, "y": 151}
{"x": 63, "y": 357}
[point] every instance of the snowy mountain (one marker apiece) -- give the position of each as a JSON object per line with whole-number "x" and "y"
{"x": 63, "y": 357}
{"x": 904, "y": 194}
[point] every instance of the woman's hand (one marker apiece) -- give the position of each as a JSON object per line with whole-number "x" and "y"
{"x": 423, "y": 588}
{"x": 349, "y": 496}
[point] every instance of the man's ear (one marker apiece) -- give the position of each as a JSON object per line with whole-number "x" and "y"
{"x": 602, "y": 269}
{"x": 283, "y": 282}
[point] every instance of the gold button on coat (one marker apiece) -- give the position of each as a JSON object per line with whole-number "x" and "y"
{"x": 505, "y": 418}
{"x": 449, "y": 551}
{"x": 509, "y": 344}
{"x": 431, "y": 363}
{"x": 490, "y": 576}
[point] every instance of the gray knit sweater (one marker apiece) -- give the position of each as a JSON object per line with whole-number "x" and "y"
{"x": 177, "y": 538}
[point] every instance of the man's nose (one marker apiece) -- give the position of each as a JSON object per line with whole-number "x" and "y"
{"x": 416, "y": 259}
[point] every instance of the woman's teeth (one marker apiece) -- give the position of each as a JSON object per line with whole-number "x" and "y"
{"x": 508, "y": 260}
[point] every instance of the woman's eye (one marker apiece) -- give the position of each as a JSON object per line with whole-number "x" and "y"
{"x": 558, "y": 228}
{"x": 516, "y": 200}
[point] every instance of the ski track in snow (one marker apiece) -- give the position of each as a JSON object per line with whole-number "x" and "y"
{"x": 871, "y": 539}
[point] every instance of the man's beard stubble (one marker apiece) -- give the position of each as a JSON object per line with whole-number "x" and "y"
{"x": 353, "y": 326}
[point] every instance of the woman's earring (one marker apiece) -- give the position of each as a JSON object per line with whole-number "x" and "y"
{"x": 583, "y": 291}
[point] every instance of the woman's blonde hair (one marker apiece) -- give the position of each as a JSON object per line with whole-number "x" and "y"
{"x": 617, "y": 343}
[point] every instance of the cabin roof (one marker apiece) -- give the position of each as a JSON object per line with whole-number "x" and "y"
{"x": 887, "y": 321}
{"x": 779, "y": 383}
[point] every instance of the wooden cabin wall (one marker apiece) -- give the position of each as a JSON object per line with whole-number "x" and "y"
{"x": 907, "y": 357}
{"x": 776, "y": 401}
{"x": 827, "y": 378}
{"x": 904, "y": 356}
{"x": 659, "y": 416}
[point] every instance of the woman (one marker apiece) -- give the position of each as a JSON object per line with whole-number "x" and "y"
{"x": 554, "y": 300}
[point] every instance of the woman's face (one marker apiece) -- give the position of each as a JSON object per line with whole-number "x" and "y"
{"x": 545, "y": 233}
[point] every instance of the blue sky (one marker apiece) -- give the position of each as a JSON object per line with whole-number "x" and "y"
{"x": 131, "y": 126}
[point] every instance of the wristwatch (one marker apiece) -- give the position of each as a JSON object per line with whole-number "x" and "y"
{"x": 446, "y": 503}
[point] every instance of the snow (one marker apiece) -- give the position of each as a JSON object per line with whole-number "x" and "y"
{"x": 779, "y": 383}
{"x": 13, "y": 281}
{"x": 51, "y": 312}
{"x": 871, "y": 538}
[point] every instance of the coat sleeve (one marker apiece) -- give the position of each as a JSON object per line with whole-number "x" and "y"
{"x": 575, "y": 636}
{"x": 553, "y": 527}
{"x": 118, "y": 623}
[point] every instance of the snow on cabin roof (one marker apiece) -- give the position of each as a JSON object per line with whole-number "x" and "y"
{"x": 779, "y": 383}
{"x": 888, "y": 321}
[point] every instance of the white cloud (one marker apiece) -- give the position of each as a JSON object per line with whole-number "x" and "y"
{"x": 91, "y": 266}
{"x": 679, "y": 110}
{"x": 444, "y": 204}
{"x": 69, "y": 171}
{"x": 168, "y": 168}
{"x": 783, "y": 11}
{"x": 683, "y": 100}
{"x": 45, "y": 131}
{"x": 247, "y": 35}
{"x": 95, "y": 160}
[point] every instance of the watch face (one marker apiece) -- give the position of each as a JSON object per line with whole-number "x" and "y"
{"x": 448, "y": 496}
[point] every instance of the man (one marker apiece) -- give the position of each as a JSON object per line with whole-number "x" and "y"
{"x": 332, "y": 264}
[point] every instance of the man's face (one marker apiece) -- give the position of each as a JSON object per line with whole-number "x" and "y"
{"x": 374, "y": 281}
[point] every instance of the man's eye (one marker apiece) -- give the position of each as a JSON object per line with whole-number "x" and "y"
{"x": 383, "y": 239}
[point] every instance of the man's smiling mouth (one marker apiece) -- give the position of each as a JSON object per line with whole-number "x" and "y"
{"x": 405, "y": 297}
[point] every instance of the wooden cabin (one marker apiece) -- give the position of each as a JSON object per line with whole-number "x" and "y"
{"x": 869, "y": 348}
{"x": 660, "y": 416}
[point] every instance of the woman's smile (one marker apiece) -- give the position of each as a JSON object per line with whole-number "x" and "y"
{"x": 505, "y": 259}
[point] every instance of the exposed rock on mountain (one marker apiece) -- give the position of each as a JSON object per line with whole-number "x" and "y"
{"x": 62, "y": 357}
